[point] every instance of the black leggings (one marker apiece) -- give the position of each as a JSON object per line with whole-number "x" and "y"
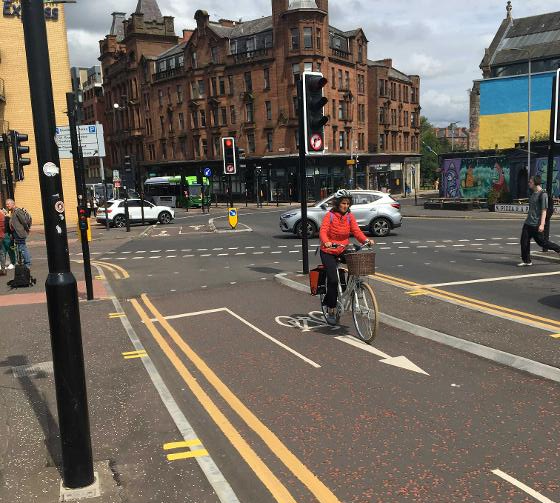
{"x": 331, "y": 263}
{"x": 532, "y": 232}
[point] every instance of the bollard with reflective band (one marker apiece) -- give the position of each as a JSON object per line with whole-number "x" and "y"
{"x": 233, "y": 218}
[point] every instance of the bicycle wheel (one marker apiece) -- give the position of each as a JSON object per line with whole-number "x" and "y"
{"x": 365, "y": 312}
{"x": 324, "y": 308}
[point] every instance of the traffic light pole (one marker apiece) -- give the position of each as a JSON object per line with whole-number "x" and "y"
{"x": 77, "y": 158}
{"x": 61, "y": 286}
{"x": 9, "y": 178}
{"x": 550, "y": 167}
{"x": 303, "y": 181}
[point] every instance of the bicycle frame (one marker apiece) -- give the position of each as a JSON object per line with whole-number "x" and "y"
{"x": 345, "y": 297}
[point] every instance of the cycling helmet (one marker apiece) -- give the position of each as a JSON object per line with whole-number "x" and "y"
{"x": 343, "y": 194}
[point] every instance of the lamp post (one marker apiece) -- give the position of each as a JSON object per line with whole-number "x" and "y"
{"x": 116, "y": 108}
{"x": 529, "y": 70}
{"x": 453, "y": 126}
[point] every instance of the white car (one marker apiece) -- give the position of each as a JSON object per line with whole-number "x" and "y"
{"x": 116, "y": 216}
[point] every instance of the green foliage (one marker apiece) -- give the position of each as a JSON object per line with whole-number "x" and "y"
{"x": 540, "y": 136}
{"x": 429, "y": 168}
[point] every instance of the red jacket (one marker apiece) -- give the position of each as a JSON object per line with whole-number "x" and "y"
{"x": 336, "y": 228}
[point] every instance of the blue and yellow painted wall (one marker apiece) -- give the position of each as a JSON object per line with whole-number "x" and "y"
{"x": 503, "y": 109}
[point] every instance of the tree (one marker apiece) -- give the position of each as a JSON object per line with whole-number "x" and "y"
{"x": 430, "y": 149}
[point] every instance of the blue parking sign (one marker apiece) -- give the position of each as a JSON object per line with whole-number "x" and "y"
{"x": 207, "y": 172}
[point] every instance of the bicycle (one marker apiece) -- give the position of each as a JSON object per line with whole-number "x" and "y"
{"x": 356, "y": 295}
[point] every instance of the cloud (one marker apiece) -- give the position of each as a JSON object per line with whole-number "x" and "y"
{"x": 443, "y": 42}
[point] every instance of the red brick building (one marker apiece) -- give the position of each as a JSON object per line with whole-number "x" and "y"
{"x": 228, "y": 78}
{"x": 393, "y": 124}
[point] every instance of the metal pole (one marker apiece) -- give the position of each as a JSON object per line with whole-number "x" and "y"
{"x": 230, "y": 190}
{"x": 140, "y": 186}
{"x": 529, "y": 120}
{"x": 106, "y": 193}
{"x": 79, "y": 178}
{"x": 61, "y": 288}
{"x": 9, "y": 179}
{"x": 303, "y": 182}
{"x": 550, "y": 167}
{"x": 126, "y": 213}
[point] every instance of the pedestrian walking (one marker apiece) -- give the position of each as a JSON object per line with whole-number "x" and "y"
{"x": 7, "y": 243}
{"x": 20, "y": 225}
{"x": 535, "y": 222}
{"x": 2, "y": 249}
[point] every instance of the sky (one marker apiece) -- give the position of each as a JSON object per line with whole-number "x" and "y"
{"x": 443, "y": 41}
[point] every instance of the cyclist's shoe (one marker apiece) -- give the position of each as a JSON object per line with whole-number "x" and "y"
{"x": 331, "y": 316}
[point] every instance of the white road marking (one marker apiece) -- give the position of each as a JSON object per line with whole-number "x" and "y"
{"x": 124, "y": 252}
{"x": 480, "y": 239}
{"x": 398, "y": 242}
{"x": 188, "y": 256}
{"x": 206, "y": 255}
{"x": 121, "y": 258}
{"x": 447, "y": 241}
{"x": 137, "y": 258}
{"x": 198, "y": 249}
{"x": 217, "y": 249}
{"x": 241, "y": 253}
{"x": 235, "y": 248}
{"x": 520, "y": 485}
{"x": 497, "y": 239}
{"x": 441, "y": 246}
{"x": 258, "y": 253}
{"x": 155, "y": 251}
{"x": 275, "y": 252}
{"x": 249, "y": 247}
{"x": 494, "y": 244}
{"x": 492, "y": 280}
{"x": 249, "y": 324}
{"x": 431, "y": 241}
{"x": 414, "y": 242}
{"x": 263, "y": 247}
{"x": 170, "y": 251}
{"x": 404, "y": 247}
{"x": 459, "y": 246}
{"x": 223, "y": 254}
{"x": 421, "y": 247}
{"x": 187, "y": 250}
{"x": 464, "y": 240}
{"x": 156, "y": 256}
{"x": 141, "y": 251}
{"x": 171, "y": 256}
{"x": 293, "y": 251}
{"x": 282, "y": 246}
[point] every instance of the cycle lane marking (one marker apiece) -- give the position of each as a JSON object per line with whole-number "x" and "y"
{"x": 520, "y": 485}
{"x": 245, "y": 322}
{"x": 321, "y": 492}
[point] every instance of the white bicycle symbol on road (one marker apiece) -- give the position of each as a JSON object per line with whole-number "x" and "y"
{"x": 313, "y": 321}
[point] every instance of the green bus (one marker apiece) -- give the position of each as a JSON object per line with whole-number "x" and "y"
{"x": 166, "y": 191}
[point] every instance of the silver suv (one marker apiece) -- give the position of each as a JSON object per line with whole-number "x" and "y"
{"x": 376, "y": 212}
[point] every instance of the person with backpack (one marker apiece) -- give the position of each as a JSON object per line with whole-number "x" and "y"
{"x": 337, "y": 226}
{"x": 6, "y": 244}
{"x": 535, "y": 222}
{"x": 20, "y": 225}
{"x": 3, "y": 223}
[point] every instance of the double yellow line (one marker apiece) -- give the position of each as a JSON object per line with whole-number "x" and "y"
{"x": 117, "y": 271}
{"x": 416, "y": 289}
{"x": 281, "y": 494}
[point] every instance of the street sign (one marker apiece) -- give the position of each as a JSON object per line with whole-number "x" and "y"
{"x": 230, "y": 169}
{"x": 207, "y": 172}
{"x": 350, "y": 162}
{"x": 316, "y": 142}
{"x": 232, "y": 217}
{"x": 90, "y": 137}
{"x": 116, "y": 175}
{"x": 117, "y": 184}
{"x": 557, "y": 108}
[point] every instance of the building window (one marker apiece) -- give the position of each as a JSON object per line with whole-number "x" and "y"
{"x": 381, "y": 87}
{"x": 412, "y": 119}
{"x": 361, "y": 83}
{"x": 406, "y": 142}
{"x": 162, "y": 124}
{"x": 232, "y": 114}
{"x": 341, "y": 140}
{"x": 183, "y": 147}
{"x": 172, "y": 64}
{"x": 406, "y": 91}
{"x": 214, "y": 54}
{"x": 340, "y": 79}
{"x": 360, "y": 53}
{"x": 295, "y": 105}
{"x": 214, "y": 112}
{"x": 163, "y": 150}
{"x": 181, "y": 121}
{"x": 406, "y": 123}
{"x": 295, "y": 38}
{"x": 393, "y": 117}
{"x": 414, "y": 93}
{"x": 248, "y": 82}
{"x": 296, "y": 72}
{"x": 179, "y": 94}
{"x": 251, "y": 44}
{"x": 268, "y": 106}
{"x": 233, "y": 47}
{"x": 266, "y": 76}
{"x": 382, "y": 116}
{"x": 169, "y": 95}
{"x": 181, "y": 61}
{"x": 333, "y": 78}
{"x": 251, "y": 142}
{"x": 160, "y": 97}
{"x": 318, "y": 66}
{"x": 347, "y": 80}
{"x": 194, "y": 60}
{"x": 195, "y": 118}
{"x": 249, "y": 112}
{"x": 224, "y": 116}
{"x": 269, "y": 142}
{"x": 341, "y": 110}
{"x": 201, "y": 88}
{"x": 214, "y": 86}
{"x": 222, "y": 86}
{"x": 308, "y": 38}
{"x": 202, "y": 118}
{"x": 361, "y": 113}
{"x": 381, "y": 146}
{"x": 318, "y": 36}
{"x": 205, "y": 148}
{"x": 307, "y": 67}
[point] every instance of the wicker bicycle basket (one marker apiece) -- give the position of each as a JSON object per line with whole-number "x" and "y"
{"x": 361, "y": 263}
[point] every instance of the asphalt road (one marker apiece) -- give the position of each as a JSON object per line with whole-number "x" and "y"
{"x": 291, "y": 414}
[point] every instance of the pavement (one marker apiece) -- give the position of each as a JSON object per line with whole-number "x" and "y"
{"x": 271, "y": 405}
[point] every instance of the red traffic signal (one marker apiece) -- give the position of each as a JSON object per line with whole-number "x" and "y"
{"x": 230, "y": 159}
{"x": 313, "y": 119}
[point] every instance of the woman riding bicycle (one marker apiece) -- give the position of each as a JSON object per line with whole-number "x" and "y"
{"x": 339, "y": 223}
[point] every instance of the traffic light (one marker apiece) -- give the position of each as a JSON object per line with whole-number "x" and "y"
{"x": 83, "y": 220}
{"x": 230, "y": 159}
{"x": 313, "y": 119}
{"x": 127, "y": 164}
{"x": 18, "y": 150}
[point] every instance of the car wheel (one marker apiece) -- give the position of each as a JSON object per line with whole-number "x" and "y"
{"x": 164, "y": 217}
{"x": 119, "y": 221}
{"x": 380, "y": 227}
{"x": 311, "y": 229}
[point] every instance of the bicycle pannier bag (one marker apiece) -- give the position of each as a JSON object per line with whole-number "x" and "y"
{"x": 317, "y": 280}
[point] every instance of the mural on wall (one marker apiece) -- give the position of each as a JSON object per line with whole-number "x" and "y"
{"x": 541, "y": 167}
{"x": 475, "y": 178}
